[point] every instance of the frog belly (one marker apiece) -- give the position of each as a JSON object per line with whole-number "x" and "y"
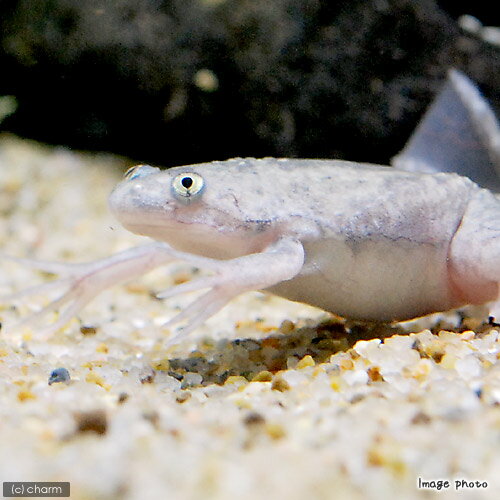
{"x": 375, "y": 280}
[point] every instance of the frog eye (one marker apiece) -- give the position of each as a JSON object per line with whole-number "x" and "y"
{"x": 187, "y": 187}
{"x": 139, "y": 171}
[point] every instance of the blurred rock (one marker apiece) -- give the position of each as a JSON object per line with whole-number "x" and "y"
{"x": 182, "y": 81}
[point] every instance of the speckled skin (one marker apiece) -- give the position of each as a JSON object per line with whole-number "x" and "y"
{"x": 362, "y": 241}
{"x": 378, "y": 241}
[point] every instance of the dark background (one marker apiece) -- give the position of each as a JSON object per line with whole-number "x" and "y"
{"x": 306, "y": 78}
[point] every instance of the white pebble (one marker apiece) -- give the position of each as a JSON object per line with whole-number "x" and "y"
{"x": 470, "y": 23}
{"x": 366, "y": 347}
{"x": 468, "y": 367}
{"x": 353, "y": 377}
{"x": 294, "y": 378}
{"x": 491, "y": 34}
{"x": 191, "y": 379}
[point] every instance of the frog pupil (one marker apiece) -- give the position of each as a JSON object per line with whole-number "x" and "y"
{"x": 187, "y": 182}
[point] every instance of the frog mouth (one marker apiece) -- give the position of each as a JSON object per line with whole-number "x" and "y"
{"x": 167, "y": 229}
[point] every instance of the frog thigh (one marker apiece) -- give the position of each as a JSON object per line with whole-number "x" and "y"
{"x": 474, "y": 256}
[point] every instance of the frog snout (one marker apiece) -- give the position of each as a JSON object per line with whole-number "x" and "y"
{"x": 139, "y": 203}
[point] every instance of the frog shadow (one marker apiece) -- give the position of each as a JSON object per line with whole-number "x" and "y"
{"x": 261, "y": 358}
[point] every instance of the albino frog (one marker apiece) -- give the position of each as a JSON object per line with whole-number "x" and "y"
{"x": 362, "y": 241}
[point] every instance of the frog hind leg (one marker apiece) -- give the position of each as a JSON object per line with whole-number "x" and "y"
{"x": 474, "y": 254}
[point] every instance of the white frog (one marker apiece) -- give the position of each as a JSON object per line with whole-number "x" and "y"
{"x": 362, "y": 241}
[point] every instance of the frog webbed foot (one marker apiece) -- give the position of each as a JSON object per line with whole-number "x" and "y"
{"x": 79, "y": 283}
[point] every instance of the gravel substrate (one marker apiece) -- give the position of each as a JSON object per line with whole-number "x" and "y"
{"x": 269, "y": 399}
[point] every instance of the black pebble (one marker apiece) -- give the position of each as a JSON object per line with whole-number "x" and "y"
{"x": 59, "y": 375}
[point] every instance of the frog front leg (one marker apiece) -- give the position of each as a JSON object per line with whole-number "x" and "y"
{"x": 82, "y": 282}
{"x": 279, "y": 262}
